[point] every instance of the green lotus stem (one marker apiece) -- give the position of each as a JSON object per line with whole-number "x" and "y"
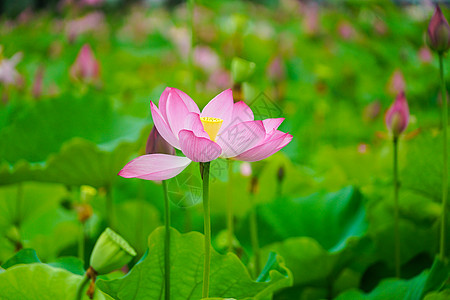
{"x": 81, "y": 287}
{"x": 109, "y": 207}
{"x": 230, "y": 217}
{"x": 166, "y": 242}
{"x": 445, "y": 164}
{"x": 207, "y": 222}
{"x": 254, "y": 235}
{"x": 396, "y": 210}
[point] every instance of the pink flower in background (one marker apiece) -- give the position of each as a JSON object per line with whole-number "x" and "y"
{"x": 362, "y": 148}
{"x": 92, "y": 22}
{"x": 206, "y": 58}
{"x": 223, "y": 129}
{"x": 36, "y": 90}
{"x": 311, "y": 18}
{"x": 8, "y": 72}
{"x": 246, "y": 169}
{"x": 396, "y": 83}
{"x": 85, "y": 67}
{"x": 92, "y": 2}
{"x": 181, "y": 39}
{"x": 275, "y": 70}
{"x": 397, "y": 116}
{"x": 220, "y": 79}
{"x": 425, "y": 55}
{"x": 346, "y": 30}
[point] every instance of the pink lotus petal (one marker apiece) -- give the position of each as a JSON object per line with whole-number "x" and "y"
{"x": 272, "y": 124}
{"x": 220, "y": 107}
{"x": 266, "y": 149}
{"x": 194, "y": 124}
{"x": 162, "y": 127}
{"x": 176, "y": 112}
{"x": 190, "y": 104}
{"x": 198, "y": 149}
{"x": 241, "y": 113}
{"x": 155, "y": 167}
{"x": 241, "y": 137}
{"x": 162, "y": 104}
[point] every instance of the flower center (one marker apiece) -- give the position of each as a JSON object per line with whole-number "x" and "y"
{"x": 211, "y": 126}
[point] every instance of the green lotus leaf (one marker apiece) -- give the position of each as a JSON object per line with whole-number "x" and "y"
{"x": 71, "y": 140}
{"x": 40, "y": 281}
{"x": 229, "y": 277}
{"x": 413, "y": 289}
{"x": 424, "y": 172}
{"x": 329, "y": 218}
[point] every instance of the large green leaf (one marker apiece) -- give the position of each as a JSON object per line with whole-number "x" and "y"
{"x": 329, "y": 218}
{"x": 40, "y": 281}
{"x": 412, "y": 289}
{"x": 72, "y": 140}
{"x": 229, "y": 277}
{"x": 319, "y": 236}
{"x": 423, "y": 174}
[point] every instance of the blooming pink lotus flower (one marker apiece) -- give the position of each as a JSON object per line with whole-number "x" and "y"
{"x": 397, "y": 116}
{"x": 438, "y": 34}
{"x": 85, "y": 67}
{"x": 223, "y": 129}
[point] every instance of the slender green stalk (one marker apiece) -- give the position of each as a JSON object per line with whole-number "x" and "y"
{"x": 207, "y": 221}
{"x": 109, "y": 207}
{"x": 396, "y": 210}
{"x": 442, "y": 249}
{"x": 254, "y": 235}
{"x": 81, "y": 242}
{"x": 166, "y": 242}
{"x": 81, "y": 287}
{"x": 230, "y": 217}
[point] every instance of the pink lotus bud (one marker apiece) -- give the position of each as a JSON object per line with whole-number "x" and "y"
{"x": 397, "y": 116}
{"x": 438, "y": 34}
{"x": 85, "y": 67}
{"x": 157, "y": 144}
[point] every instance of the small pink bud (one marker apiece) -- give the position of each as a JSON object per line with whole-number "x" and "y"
{"x": 157, "y": 144}
{"x": 397, "y": 116}
{"x": 85, "y": 67}
{"x": 438, "y": 34}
